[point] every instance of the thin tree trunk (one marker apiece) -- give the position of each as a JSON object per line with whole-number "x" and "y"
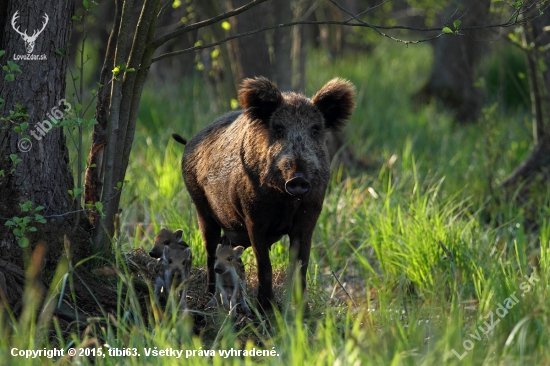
{"x": 250, "y": 53}
{"x": 455, "y": 57}
{"x": 93, "y": 181}
{"x": 282, "y": 47}
{"x": 539, "y": 159}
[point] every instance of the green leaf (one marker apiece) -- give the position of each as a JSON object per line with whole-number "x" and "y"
{"x": 99, "y": 206}
{"x": 17, "y": 232}
{"x": 131, "y": 69}
{"x": 9, "y": 223}
{"x": 2, "y": 52}
{"x": 226, "y": 25}
{"x": 457, "y": 23}
{"x": 93, "y": 122}
{"x": 13, "y": 66}
{"x": 517, "y": 4}
{"x": 42, "y": 221}
{"x": 32, "y": 229}
{"x": 10, "y": 77}
{"x": 17, "y": 129}
{"x": 447, "y": 30}
{"x": 23, "y": 242}
{"x": 39, "y": 208}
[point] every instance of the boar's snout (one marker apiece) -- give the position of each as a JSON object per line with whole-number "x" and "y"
{"x": 218, "y": 270}
{"x": 297, "y": 186}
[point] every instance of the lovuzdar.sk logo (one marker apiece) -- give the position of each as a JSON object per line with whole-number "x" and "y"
{"x": 29, "y": 40}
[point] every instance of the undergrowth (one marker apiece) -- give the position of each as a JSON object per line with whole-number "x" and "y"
{"x": 405, "y": 267}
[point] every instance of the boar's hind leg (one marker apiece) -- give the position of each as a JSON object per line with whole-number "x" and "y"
{"x": 210, "y": 231}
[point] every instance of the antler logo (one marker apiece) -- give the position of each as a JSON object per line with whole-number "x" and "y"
{"x": 29, "y": 40}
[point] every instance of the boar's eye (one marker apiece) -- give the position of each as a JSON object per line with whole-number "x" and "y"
{"x": 167, "y": 242}
{"x": 279, "y": 131}
{"x": 315, "y": 131}
{"x": 170, "y": 260}
{"x": 229, "y": 259}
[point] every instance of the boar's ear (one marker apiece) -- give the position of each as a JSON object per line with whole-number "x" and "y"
{"x": 178, "y": 233}
{"x": 259, "y": 98}
{"x": 335, "y": 101}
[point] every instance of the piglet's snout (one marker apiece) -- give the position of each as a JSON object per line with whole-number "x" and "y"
{"x": 218, "y": 270}
{"x": 297, "y": 186}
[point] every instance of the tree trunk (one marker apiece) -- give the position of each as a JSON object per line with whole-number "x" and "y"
{"x": 282, "y": 47}
{"x": 539, "y": 159}
{"x": 251, "y": 53}
{"x": 42, "y": 175}
{"x": 455, "y": 57}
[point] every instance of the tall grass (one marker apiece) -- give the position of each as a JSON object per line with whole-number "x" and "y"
{"x": 407, "y": 240}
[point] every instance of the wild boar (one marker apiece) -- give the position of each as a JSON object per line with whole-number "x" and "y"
{"x": 168, "y": 238}
{"x": 174, "y": 270}
{"x": 262, "y": 172}
{"x": 230, "y": 278}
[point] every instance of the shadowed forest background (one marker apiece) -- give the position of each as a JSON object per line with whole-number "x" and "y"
{"x": 436, "y": 213}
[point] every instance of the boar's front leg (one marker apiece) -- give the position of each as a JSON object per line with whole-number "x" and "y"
{"x": 300, "y": 248}
{"x": 210, "y": 231}
{"x": 265, "y": 272}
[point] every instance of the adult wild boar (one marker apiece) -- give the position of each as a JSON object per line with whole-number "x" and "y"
{"x": 262, "y": 172}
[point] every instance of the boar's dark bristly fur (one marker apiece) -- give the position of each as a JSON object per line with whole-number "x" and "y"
{"x": 262, "y": 173}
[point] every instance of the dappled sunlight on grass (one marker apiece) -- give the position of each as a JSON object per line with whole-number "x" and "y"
{"x": 404, "y": 265}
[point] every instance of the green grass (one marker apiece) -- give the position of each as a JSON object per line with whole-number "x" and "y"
{"x": 408, "y": 239}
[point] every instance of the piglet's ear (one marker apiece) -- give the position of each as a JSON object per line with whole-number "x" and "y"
{"x": 259, "y": 98}
{"x": 165, "y": 253}
{"x": 187, "y": 254}
{"x": 239, "y": 251}
{"x": 335, "y": 101}
{"x": 178, "y": 233}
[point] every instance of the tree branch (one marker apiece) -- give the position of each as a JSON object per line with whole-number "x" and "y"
{"x": 329, "y": 22}
{"x": 186, "y": 29}
{"x": 358, "y": 23}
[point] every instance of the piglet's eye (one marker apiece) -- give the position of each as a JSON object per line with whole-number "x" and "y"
{"x": 229, "y": 259}
{"x": 167, "y": 242}
{"x": 170, "y": 261}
